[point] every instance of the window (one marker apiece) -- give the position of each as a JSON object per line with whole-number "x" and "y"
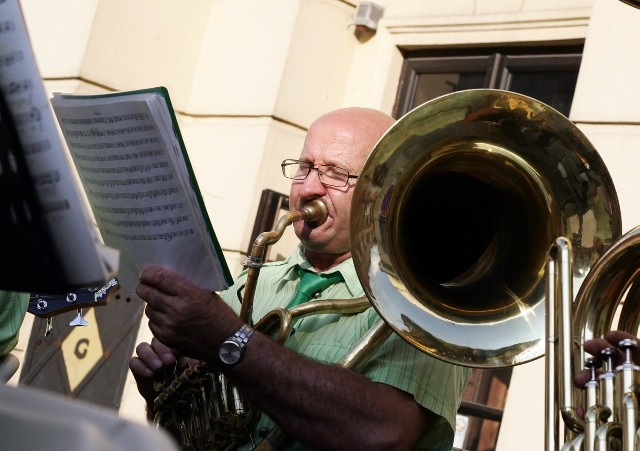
{"x": 548, "y": 74}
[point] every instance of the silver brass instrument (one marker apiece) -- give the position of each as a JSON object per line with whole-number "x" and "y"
{"x": 451, "y": 222}
{"x": 608, "y": 299}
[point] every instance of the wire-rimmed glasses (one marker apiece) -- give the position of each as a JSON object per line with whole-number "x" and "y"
{"x": 328, "y": 175}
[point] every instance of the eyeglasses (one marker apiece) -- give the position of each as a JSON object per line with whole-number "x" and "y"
{"x": 328, "y": 175}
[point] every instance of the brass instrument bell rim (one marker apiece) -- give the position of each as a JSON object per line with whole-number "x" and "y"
{"x": 484, "y": 115}
{"x": 606, "y": 285}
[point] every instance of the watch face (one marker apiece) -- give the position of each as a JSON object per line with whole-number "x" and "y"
{"x": 230, "y": 352}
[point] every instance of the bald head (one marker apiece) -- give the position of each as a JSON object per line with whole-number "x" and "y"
{"x": 341, "y": 139}
{"x": 358, "y": 128}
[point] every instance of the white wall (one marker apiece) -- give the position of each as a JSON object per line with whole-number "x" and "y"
{"x": 607, "y": 98}
{"x": 59, "y": 33}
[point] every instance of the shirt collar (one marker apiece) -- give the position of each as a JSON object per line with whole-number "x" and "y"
{"x": 298, "y": 258}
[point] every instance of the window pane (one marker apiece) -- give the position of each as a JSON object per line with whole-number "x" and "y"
{"x": 553, "y": 88}
{"x": 548, "y": 74}
{"x": 430, "y": 86}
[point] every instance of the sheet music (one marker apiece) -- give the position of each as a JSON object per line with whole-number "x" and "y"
{"x": 87, "y": 262}
{"x": 131, "y": 167}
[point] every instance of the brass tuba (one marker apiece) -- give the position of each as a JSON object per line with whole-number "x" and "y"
{"x": 451, "y": 220}
{"x": 453, "y": 215}
{"x": 609, "y": 299}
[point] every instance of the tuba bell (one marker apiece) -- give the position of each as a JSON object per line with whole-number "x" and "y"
{"x": 453, "y": 215}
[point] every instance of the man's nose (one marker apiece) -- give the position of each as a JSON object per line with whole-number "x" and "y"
{"x": 312, "y": 182}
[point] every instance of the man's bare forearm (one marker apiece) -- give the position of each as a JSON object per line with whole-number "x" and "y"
{"x": 326, "y": 406}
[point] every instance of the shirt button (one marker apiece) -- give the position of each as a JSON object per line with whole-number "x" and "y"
{"x": 263, "y": 432}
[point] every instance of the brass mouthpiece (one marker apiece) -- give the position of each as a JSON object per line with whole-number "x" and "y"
{"x": 315, "y": 212}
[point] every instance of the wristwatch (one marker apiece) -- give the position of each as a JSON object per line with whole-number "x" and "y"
{"x": 231, "y": 350}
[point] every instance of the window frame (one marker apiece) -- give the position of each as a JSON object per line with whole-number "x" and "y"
{"x": 499, "y": 64}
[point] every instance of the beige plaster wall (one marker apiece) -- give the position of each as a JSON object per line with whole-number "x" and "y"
{"x": 59, "y": 33}
{"x": 243, "y": 76}
{"x": 462, "y": 23}
{"x": 607, "y": 86}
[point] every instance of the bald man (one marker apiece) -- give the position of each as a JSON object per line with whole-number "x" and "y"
{"x": 401, "y": 399}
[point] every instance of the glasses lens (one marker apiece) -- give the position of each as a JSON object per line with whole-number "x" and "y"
{"x": 331, "y": 175}
{"x": 293, "y": 169}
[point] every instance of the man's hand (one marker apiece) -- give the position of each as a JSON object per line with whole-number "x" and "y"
{"x": 184, "y": 317}
{"x": 153, "y": 361}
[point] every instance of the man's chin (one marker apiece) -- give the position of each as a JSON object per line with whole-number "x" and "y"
{"x": 313, "y": 245}
{"x": 316, "y": 240}
{"x": 308, "y": 234}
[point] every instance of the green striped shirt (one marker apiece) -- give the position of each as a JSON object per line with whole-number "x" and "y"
{"x": 13, "y": 307}
{"x": 436, "y": 385}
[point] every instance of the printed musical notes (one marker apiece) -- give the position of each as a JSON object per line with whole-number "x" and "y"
{"x": 64, "y": 209}
{"x": 143, "y": 194}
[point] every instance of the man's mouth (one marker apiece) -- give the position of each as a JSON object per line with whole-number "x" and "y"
{"x": 316, "y": 212}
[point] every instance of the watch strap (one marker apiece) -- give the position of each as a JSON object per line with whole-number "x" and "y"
{"x": 231, "y": 350}
{"x": 242, "y": 335}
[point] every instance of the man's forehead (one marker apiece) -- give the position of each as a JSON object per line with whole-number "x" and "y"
{"x": 345, "y": 157}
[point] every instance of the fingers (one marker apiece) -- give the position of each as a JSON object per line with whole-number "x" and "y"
{"x": 163, "y": 280}
{"x": 160, "y": 288}
{"x": 581, "y": 379}
{"x": 156, "y": 285}
{"x": 611, "y": 341}
{"x": 151, "y": 293}
{"x": 151, "y": 359}
{"x": 157, "y": 277}
{"x": 183, "y": 316}
{"x": 616, "y": 336}
{"x": 595, "y": 347}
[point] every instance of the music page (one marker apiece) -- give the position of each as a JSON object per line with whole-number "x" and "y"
{"x": 132, "y": 166}
{"x": 87, "y": 262}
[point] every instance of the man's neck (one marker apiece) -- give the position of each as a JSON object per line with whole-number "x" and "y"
{"x": 323, "y": 262}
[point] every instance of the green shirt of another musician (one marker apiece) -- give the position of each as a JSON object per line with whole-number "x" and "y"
{"x": 435, "y": 385}
{"x": 13, "y": 307}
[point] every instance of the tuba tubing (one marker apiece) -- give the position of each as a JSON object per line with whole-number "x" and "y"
{"x": 314, "y": 212}
{"x": 451, "y": 221}
{"x": 607, "y": 300}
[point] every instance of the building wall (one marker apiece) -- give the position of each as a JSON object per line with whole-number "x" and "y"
{"x": 247, "y": 77}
